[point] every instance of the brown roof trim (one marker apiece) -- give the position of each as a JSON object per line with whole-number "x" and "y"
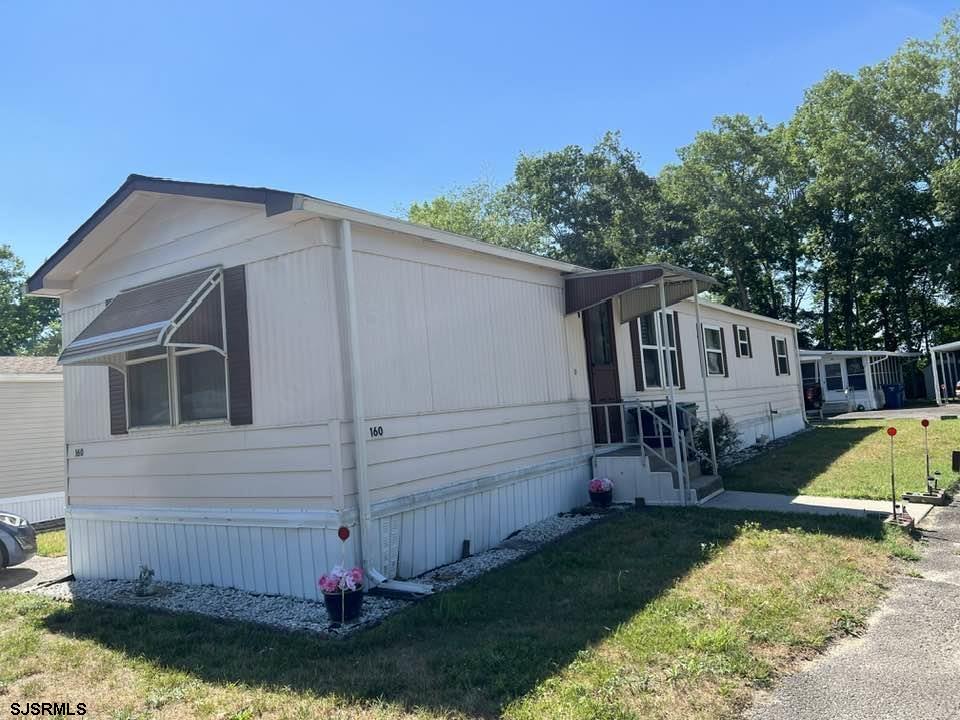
{"x": 585, "y": 289}
{"x": 273, "y": 201}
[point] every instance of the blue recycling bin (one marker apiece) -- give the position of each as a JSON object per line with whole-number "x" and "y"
{"x": 893, "y": 396}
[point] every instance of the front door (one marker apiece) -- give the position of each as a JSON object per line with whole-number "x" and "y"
{"x": 835, "y": 380}
{"x": 603, "y": 373}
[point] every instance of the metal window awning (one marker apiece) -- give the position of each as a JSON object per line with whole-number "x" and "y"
{"x": 637, "y": 287}
{"x": 182, "y": 311}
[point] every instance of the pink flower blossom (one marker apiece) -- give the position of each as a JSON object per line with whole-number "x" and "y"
{"x": 600, "y": 485}
{"x": 341, "y": 580}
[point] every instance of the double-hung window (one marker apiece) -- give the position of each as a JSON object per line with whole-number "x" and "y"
{"x": 714, "y": 351}
{"x": 175, "y": 387}
{"x": 780, "y": 358}
{"x": 651, "y": 336}
{"x": 743, "y": 341}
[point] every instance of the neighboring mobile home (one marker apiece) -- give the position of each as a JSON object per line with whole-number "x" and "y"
{"x": 248, "y": 370}
{"x": 854, "y": 379}
{"x": 31, "y": 438}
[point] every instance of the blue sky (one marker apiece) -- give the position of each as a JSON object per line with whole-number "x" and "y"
{"x": 375, "y": 105}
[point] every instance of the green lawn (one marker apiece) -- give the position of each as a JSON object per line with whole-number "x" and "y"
{"x": 52, "y": 543}
{"x": 660, "y": 613}
{"x": 850, "y": 459}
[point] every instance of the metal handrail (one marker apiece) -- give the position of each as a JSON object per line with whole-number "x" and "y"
{"x": 691, "y": 444}
{"x": 659, "y": 424}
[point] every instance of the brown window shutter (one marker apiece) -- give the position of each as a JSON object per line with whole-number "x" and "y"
{"x": 776, "y": 364}
{"x": 676, "y": 337}
{"x": 118, "y": 402}
{"x": 736, "y": 340}
{"x": 723, "y": 347}
{"x": 238, "y": 345}
{"x": 749, "y": 343}
{"x": 637, "y": 354}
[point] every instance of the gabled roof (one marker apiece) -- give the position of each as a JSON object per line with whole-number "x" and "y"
{"x": 274, "y": 202}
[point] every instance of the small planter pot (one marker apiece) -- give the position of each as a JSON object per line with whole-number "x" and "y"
{"x": 601, "y": 499}
{"x": 344, "y": 607}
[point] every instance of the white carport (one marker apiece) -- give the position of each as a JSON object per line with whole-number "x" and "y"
{"x": 944, "y": 366}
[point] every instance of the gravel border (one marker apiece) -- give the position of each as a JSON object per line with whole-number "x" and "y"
{"x": 294, "y": 614}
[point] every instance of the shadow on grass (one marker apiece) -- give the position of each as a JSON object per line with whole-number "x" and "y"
{"x": 790, "y": 468}
{"x": 471, "y": 650}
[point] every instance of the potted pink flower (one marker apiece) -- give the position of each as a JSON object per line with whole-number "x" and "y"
{"x": 343, "y": 593}
{"x": 601, "y": 492}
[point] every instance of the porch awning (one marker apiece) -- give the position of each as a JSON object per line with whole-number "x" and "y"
{"x": 182, "y": 311}
{"x": 637, "y": 287}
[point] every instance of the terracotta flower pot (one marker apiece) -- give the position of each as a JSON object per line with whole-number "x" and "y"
{"x": 601, "y": 499}
{"x": 344, "y": 607}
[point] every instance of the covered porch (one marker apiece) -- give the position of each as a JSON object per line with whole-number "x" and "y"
{"x": 945, "y": 371}
{"x": 648, "y": 442}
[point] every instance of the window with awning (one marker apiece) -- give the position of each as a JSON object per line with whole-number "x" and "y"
{"x": 166, "y": 344}
{"x": 183, "y": 311}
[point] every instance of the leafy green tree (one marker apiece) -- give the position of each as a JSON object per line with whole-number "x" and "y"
{"x": 727, "y": 182}
{"x": 28, "y": 325}
{"x": 598, "y": 208}
{"x": 483, "y": 212}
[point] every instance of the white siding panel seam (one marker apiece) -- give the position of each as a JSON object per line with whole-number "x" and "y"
{"x": 466, "y": 488}
{"x": 451, "y": 268}
{"x": 204, "y": 516}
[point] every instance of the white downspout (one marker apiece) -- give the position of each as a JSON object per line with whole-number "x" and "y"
{"x": 356, "y": 392}
{"x": 868, "y": 380}
{"x": 936, "y": 378}
{"x": 703, "y": 376}
{"x": 796, "y": 356}
{"x": 667, "y": 360}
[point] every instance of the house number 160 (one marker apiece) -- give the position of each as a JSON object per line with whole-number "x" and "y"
{"x": 376, "y": 431}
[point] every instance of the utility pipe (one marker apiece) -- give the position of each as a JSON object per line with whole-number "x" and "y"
{"x": 667, "y": 360}
{"x": 704, "y": 374}
{"x": 356, "y": 392}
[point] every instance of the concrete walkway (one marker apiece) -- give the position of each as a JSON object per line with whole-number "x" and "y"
{"x": 739, "y": 500}
{"x": 931, "y": 412}
{"x": 907, "y": 663}
{"x": 34, "y": 571}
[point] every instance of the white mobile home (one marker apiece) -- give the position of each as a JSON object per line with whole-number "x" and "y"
{"x": 247, "y": 370}
{"x": 31, "y": 438}
{"x": 853, "y": 379}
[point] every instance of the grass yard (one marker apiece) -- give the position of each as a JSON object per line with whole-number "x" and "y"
{"x": 851, "y": 458}
{"x": 662, "y": 613}
{"x": 52, "y": 543}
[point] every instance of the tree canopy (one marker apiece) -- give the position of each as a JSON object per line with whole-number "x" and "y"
{"x": 28, "y": 325}
{"x": 844, "y": 219}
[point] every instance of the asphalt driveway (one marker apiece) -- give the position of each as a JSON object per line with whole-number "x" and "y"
{"x": 907, "y": 663}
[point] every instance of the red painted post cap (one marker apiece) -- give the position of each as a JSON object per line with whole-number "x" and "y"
{"x": 891, "y": 431}
{"x": 343, "y": 533}
{"x": 925, "y": 422}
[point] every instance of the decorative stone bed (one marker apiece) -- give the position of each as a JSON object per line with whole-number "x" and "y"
{"x": 289, "y": 613}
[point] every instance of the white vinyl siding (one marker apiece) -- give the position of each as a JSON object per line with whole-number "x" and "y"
{"x": 31, "y": 437}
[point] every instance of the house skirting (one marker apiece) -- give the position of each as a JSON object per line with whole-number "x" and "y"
{"x": 766, "y": 427}
{"x": 38, "y": 508}
{"x": 284, "y": 553}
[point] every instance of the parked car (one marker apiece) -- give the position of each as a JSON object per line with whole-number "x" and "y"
{"x": 812, "y": 396}
{"x": 18, "y": 540}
